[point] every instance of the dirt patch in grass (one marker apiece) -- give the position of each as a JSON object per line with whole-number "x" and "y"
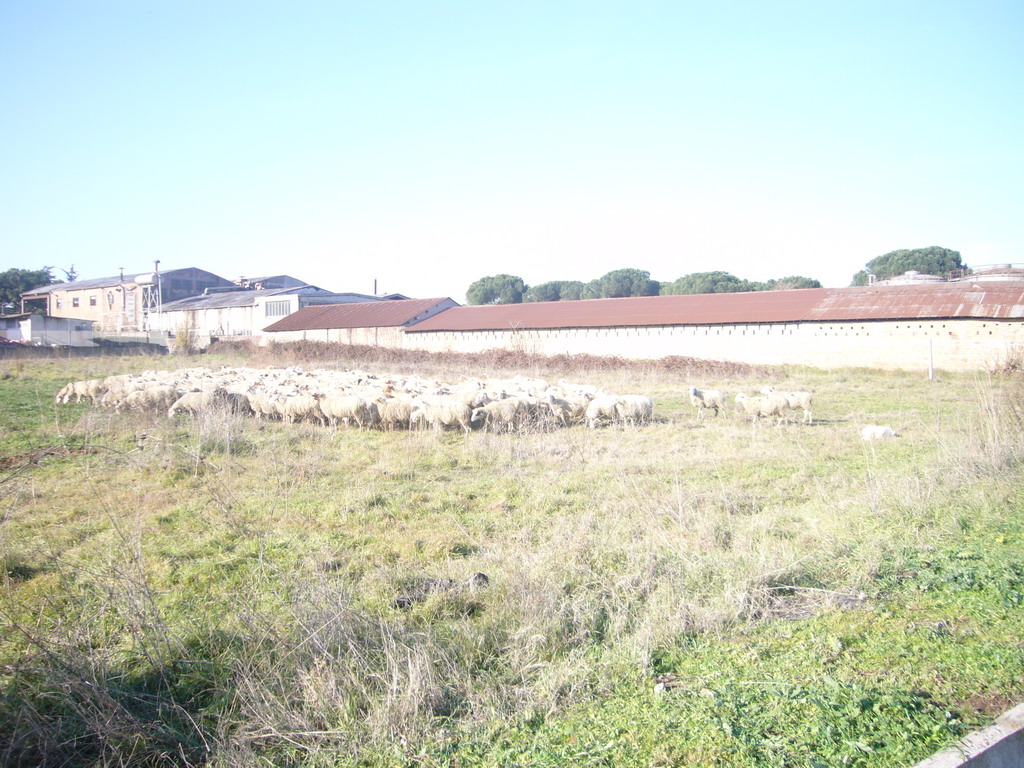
{"x": 37, "y": 455}
{"x": 990, "y": 704}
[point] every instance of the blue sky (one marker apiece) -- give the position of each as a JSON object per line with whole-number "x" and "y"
{"x": 427, "y": 144}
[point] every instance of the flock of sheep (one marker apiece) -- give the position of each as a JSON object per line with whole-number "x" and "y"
{"x": 367, "y": 400}
{"x": 768, "y": 404}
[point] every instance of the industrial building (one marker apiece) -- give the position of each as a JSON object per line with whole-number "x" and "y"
{"x": 123, "y": 303}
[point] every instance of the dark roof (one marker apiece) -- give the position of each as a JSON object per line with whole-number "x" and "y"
{"x": 365, "y": 314}
{"x": 105, "y": 282}
{"x": 947, "y": 300}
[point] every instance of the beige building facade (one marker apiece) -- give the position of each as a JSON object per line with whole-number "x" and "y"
{"x": 121, "y": 303}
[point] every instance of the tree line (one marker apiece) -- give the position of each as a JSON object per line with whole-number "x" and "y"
{"x": 620, "y": 283}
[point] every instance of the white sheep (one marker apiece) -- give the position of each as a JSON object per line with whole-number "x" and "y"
{"x": 801, "y": 400}
{"x": 440, "y": 413}
{"x": 394, "y": 412}
{"x": 300, "y": 406}
{"x": 501, "y": 414}
{"x": 348, "y": 408}
{"x": 630, "y": 409}
{"x": 195, "y": 402}
{"x": 634, "y": 409}
{"x": 877, "y": 432}
{"x": 704, "y": 399}
{"x": 91, "y": 388}
{"x": 156, "y": 398}
{"x": 601, "y": 408}
{"x": 763, "y": 407}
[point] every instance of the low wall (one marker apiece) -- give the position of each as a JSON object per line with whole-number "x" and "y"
{"x": 999, "y": 746}
{"x": 378, "y": 337}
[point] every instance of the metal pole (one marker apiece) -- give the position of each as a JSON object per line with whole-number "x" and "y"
{"x": 931, "y": 361}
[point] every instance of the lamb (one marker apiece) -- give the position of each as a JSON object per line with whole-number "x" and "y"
{"x": 877, "y": 432}
{"x": 441, "y": 413}
{"x": 766, "y": 407}
{"x": 704, "y": 399}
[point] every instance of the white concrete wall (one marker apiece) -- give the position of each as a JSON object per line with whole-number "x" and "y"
{"x": 381, "y": 337}
{"x": 954, "y": 344}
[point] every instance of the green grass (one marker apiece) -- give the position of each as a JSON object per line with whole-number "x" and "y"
{"x": 222, "y": 591}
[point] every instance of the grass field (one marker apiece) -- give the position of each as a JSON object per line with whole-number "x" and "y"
{"x": 221, "y": 591}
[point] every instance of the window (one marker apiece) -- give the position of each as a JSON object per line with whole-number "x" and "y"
{"x": 60, "y": 302}
{"x": 92, "y": 301}
{"x": 74, "y": 302}
{"x": 278, "y": 308}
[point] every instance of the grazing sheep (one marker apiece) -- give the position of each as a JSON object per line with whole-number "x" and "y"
{"x": 441, "y": 413}
{"x": 763, "y": 407}
{"x": 348, "y": 408}
{"x": 877, "y": 432}
{"x": 704, "y": 399}
{"x": 300, "y": 406}
{"x": 629, "y": 409}
{"x": 90, "y": 388}
{"x": 601, "y": 408}
{"x": 501, "y": 414}
{"x": 634, "y": 409}
{"x": 561, "y": 410}
{"x": 394, "y": 412}
{"x": 196, "y": 402}
{"x": 262, "y": 403}
{"x": 158, "y": 398}
{"x": 801, "y": 400}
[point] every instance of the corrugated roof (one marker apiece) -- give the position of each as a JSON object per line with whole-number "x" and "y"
{"x": 224, "y": 299}
{"x": 705, "y": 308}
{"x": 951, "y": 300}
{"x": 83, "y": 285}
{"x": 986, "y": 300}
{"x": 104, "y": 282}
{"x": 366, "y": 314}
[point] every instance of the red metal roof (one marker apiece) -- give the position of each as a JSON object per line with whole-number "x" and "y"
{"x": 952, "y": 300}
{"x": 989, "y": 300}
{"x": 363, "y": 314}
{"x": 760, "y": 307}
